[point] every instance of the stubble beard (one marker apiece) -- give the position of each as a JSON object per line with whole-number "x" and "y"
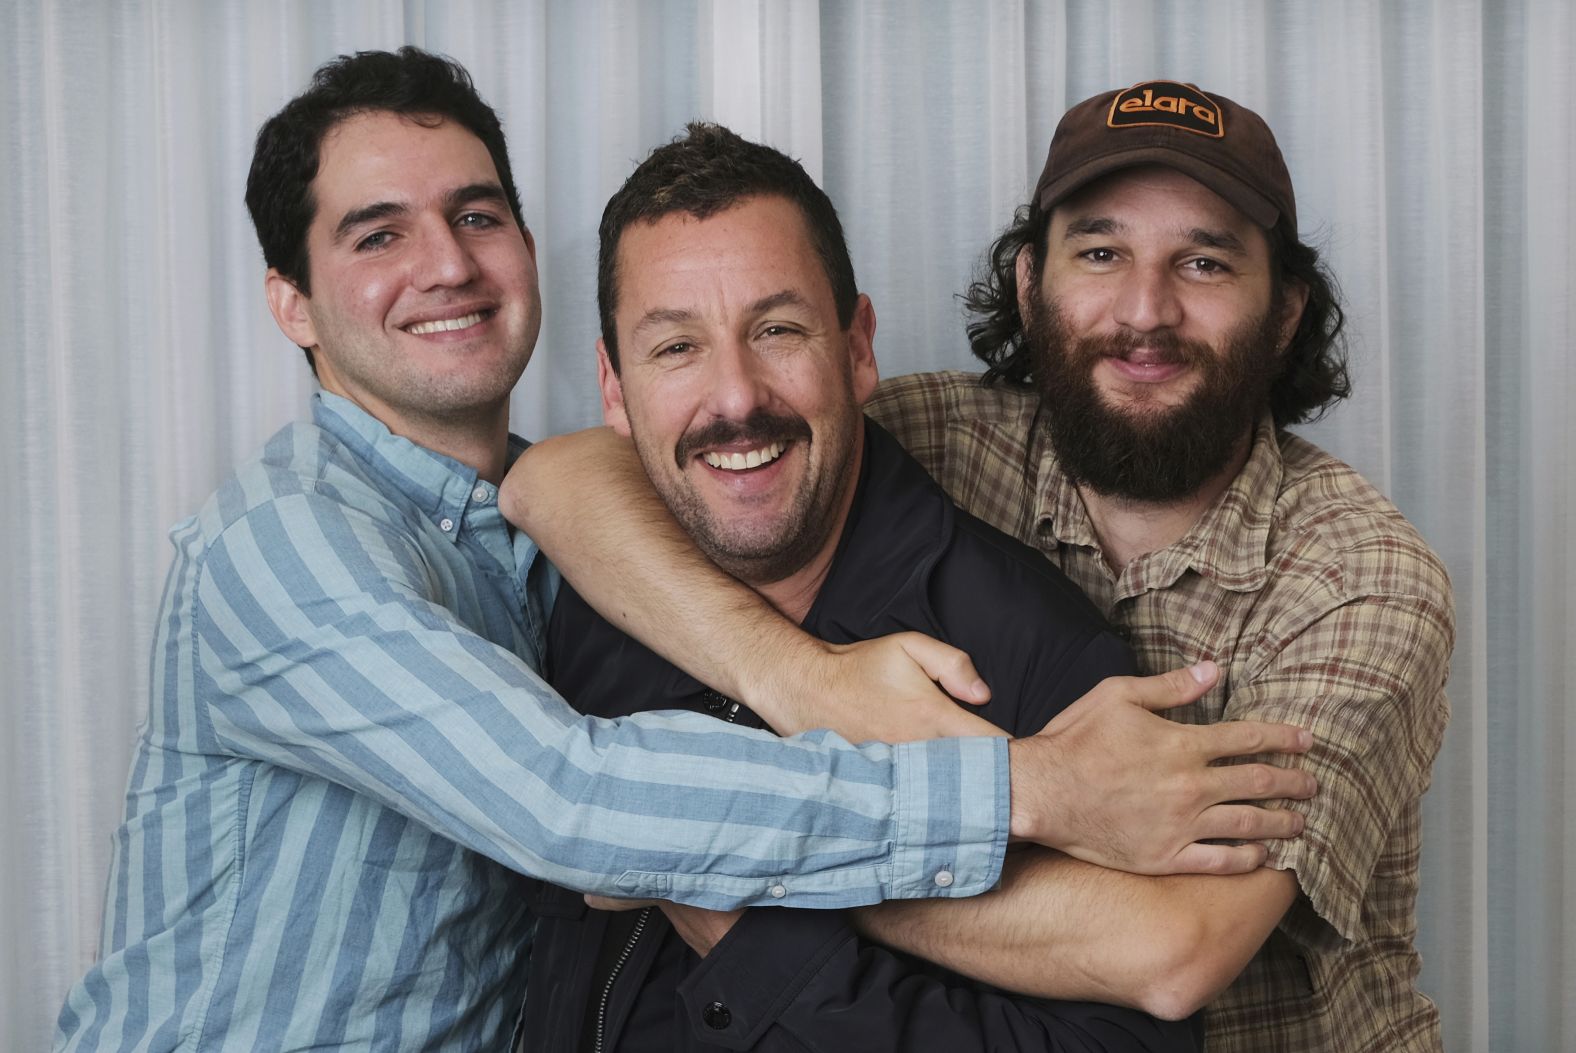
{"x": 1149, "y": 453}
{"x": 755, "y": 556}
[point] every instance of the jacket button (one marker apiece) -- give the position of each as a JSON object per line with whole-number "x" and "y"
{"x": 716, "y": 1016}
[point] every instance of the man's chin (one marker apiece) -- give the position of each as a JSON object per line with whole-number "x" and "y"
{"x": 1148, "y": 404}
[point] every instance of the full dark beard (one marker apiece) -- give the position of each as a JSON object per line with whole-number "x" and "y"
{"x": 1153, "y": 453}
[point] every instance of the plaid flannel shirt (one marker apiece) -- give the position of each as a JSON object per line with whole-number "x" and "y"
{"x": 1325, "y": 609}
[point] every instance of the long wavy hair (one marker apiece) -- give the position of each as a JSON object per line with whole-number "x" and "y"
{"x": 1313, "y": 374}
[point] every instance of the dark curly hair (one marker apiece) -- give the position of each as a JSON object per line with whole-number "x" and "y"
{"x": 1313, "y": 374}
{"x": 708, "y": 170}
{"x": 411, "y": 82}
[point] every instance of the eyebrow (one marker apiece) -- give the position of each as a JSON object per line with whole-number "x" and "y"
{"x": 457, "y": 198}
{"x": 1223, "y": 240}
{"x": 1086, "y": 226}
{"x": 1201, "y": 237}
{"x": 662, "y": 316}
{"x": 358, "y": 217}
{"x": 680, "y": 315}
{"x": 785, "y": 298}
{"x": 474, "y": 192}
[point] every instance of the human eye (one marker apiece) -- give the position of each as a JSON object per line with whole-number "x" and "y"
{"x": 477, "y": 220}
{"x": 1205, "y": 266}
{"x": 1099, "y": 256}
{"x": 374, "y": 241}
{"x": 778, "y": 329}
{"x": 677, "y": 349}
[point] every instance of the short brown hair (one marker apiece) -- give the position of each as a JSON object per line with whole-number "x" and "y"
{"x": 706, "y": 171}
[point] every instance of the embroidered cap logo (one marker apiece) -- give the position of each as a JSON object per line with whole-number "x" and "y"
{"x": 1168, "y": 103}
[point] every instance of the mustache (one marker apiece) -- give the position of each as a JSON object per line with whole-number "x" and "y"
{"x": 1164, "y": 345}
{"x": 758, "y": 429}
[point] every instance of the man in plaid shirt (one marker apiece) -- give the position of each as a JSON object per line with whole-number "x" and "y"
{"x": 1151, "y": 325}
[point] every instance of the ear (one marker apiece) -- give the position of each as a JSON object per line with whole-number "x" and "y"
{"x": 613, "y": 413}
{"x": 1024, "y": 268}
{"x": 861, "y": 350}
{"x": 1294, "y": 299}
{"x": 289, "y": 306}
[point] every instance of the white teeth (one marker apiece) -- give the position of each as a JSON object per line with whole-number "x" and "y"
{"x": 738, "y": 462}
{"x": 445, "y": 325}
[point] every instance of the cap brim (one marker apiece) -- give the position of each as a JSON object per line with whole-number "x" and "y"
{"x": 1237, "y": 193}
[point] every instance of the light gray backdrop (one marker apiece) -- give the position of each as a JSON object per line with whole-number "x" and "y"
{"x": 1432, "y": 145}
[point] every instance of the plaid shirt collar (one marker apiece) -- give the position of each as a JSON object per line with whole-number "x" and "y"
{"x": 1228, "y": 544}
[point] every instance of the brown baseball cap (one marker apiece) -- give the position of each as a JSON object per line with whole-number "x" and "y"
{"x": 1225, "y": 146}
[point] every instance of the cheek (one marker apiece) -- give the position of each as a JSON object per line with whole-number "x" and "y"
{"x": 658, "y": 412}
{"x": 372, "y": 293}
{"x": 1084, "y": 303}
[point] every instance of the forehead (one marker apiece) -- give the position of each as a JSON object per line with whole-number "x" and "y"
{"x": 378, "y": 155}
{"x": 761, "y": 241}
{"x": 1155, "y": 199}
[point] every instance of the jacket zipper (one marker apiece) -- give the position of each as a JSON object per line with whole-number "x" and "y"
{"x": 727, "y": 710}
{"x": 612, "y": 976}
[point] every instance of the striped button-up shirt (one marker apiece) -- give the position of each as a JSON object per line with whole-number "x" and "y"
{"x": 349, "y": 758}
{"x": 1324, "y": 609}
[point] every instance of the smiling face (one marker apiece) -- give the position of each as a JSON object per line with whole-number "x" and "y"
{"x": 424, "y": 305}
{"x": 1156, "y": 327}
{"x": 739, "y": 387}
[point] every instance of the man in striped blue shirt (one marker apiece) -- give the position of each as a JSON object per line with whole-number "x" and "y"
{"x": 349, "y": 758}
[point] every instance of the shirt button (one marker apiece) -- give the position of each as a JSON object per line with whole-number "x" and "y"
{"x": 777, "y": 891}
{"x": 480, "y": 493}
{"x": 716, "y": 1016}
{"x": 446, "y": 524}
{"x": 943, "y": 879}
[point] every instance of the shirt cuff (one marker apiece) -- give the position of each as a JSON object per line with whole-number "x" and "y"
{"x": 951, "y": 813}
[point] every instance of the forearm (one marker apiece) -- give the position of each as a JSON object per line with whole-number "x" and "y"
{"x": 1061, "y": 928}
{"x": 616, "y": 542}
{"x": 367, "y": 682}
{"x": 586, "y": 501}
{"x": 803, "y": 980}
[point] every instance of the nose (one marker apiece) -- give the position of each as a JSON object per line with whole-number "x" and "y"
{"x": 1147, "y": 300}
{"x": 444, "y": 260}
{"x": 738, "y": 384}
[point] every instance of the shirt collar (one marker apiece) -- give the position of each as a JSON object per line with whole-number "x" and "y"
{"x": 1230, "y": 542}
{"x": 898, "y": 527}
{"x": 438, "y": 485}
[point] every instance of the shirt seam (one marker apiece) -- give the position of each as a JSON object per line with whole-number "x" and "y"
{"x": 215, "y": 968}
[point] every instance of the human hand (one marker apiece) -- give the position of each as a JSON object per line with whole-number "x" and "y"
{"x": 698, "y": 927}
{"x": 1112, "y": 783}
{"x": 596, "y": 902}
{"x": 883, "y": 689}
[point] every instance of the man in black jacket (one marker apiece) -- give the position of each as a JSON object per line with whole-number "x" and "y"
{"x": 737, "y": 352}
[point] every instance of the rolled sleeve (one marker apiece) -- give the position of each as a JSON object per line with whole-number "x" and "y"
{"x": 1367, "y": 679}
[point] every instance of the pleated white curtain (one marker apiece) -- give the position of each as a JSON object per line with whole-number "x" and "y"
{"x": 1432, "y": 146}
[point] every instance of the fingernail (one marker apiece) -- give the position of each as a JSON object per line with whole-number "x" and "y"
{"x": 1305, "y": 739}
{"x": 979, "y": 689}
{"x": 1202, "y": 671}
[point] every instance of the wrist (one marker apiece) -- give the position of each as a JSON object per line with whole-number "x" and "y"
{"x": 1032, "y": 817}
{"x": 788, "y": 678}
